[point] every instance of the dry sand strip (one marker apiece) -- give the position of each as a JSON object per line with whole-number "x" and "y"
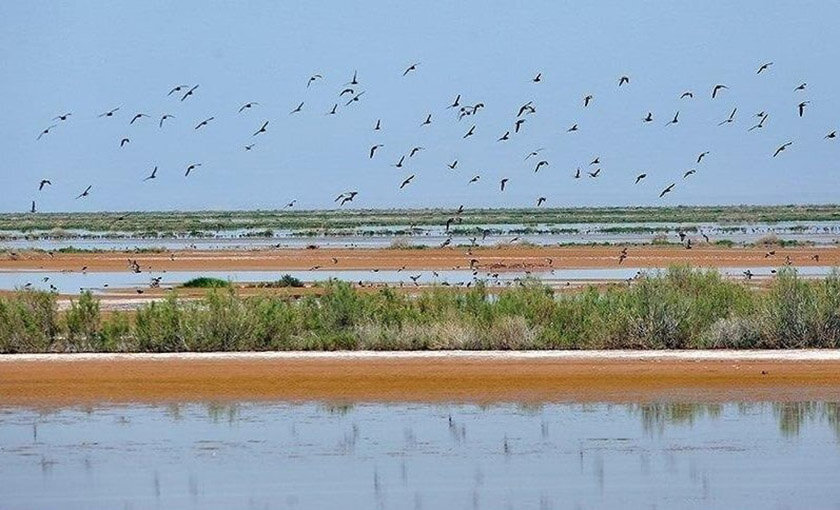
{"x": 505, "y": 258}
{"x": 481, "y": 377}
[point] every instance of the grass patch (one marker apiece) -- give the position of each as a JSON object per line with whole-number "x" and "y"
{"x": 205, "y": 282}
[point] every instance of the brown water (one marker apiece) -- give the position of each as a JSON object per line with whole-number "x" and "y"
{"x": 279, "y": 455}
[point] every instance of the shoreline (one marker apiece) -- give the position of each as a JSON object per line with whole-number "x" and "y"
{"x": 52, "y": 380}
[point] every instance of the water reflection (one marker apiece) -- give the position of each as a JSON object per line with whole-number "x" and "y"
{"x": 346, "y": 455}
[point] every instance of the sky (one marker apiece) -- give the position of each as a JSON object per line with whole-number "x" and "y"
{"x": 89, "y": 57}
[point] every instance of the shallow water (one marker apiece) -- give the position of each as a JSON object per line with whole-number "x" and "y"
{"x": 278, "y": 455}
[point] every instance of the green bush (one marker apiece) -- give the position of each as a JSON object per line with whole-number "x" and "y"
{"x": 205, "y": 282}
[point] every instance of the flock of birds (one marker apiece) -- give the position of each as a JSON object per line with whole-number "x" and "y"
{"x": 352, "y": 93}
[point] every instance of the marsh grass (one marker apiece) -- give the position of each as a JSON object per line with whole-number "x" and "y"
{"x": 680, "y": 308}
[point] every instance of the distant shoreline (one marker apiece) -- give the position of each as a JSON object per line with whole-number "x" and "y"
{"x": 44, "y": 380}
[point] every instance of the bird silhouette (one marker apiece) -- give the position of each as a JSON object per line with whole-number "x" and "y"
{"x": 577, "y": 173}
{"x": 373, "y": 150}
{"x": 63, "y": 117}
{"x": 312, "y": 79}
{"x": 428, "y": 120}
{"x": 800, "y": 87}
{"x": 191, "y": 168}
{"x": 456, "y": 103}
{"x": 247, "y": 106}
{"x": 354, "y": 81}
{"x": 85, "y": 193}
{"x": 504, "y": 137}
{"x": 730, "y": 119}
{"x": 45, "y": 131}
{"x": 400, "y": 162}
{"x": 204, "y": 122}
{"x": 595, "y": 173}
{"x": 298, "y": 109}
{"x": 801, "y": 107}
{"x": 189, "y": 93}
{"x": 290, "y": 204}
{"x": 687, "y": 94}
{"x": 586, "y": 100}
{"x": 716, "y": 89}
{"x": 537, "y": 78}
{"x": 412, "y": 67}
{"x": 124, "y": 141}
{"x": 44, "y": 182}
{"x": 346, "y": 91}
{"x": 407, "y": 181}
{"x": 261, "y": 129}
{"x": 764, "y": 67}
{"x": 502, "y": 183}
{"x": 540, "y": 201}
{"x": 152, "y": 175}
{"x": 623, "y": 80}
{"x": 166, "y": 116}
{"x": 760, "y": 123}
{"x": 640, "y": 177}
{"x": 333, "y": 110}
{"x": 534, "y": 153}
{"x": 676, "y": 118}
{"x": 690, "y": 172}
{"x": 109, "y": 113}
{"x": 782, "y": 148}
{"x": 470, "y": 132}
{"x": 378, "y": 125}
{"x": 596, "y": 161}
{"x": 32, "y": 209}
{"x": 667, "y": 190}
{"x": 648, "y": 118}
{"x": 518, "y": 125}
{"x": 474, "y": 179}
{"x": 830, "y": 136}
{"x": 453, "y": 165}
{"x": 540, "y": 164}
{"x": 354, "y": 98}
{"x": 572, "y": 129}
{"x": 136, "y": 117}
{"x": 702, "y": 155}
{"x": 414, "y": 151}
{"x": 178, "y": 88}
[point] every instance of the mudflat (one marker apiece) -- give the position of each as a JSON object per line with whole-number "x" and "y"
{"x": 553, "y": 376}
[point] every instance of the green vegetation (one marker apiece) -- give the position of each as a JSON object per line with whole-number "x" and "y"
{"x": 203, "y": 223}
{"x": 680, "y": 309}
{"x": 286, "y": 280}
{"x": 205, "y": 282}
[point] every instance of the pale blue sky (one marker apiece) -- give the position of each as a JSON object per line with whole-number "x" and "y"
{"x": 89, "y": 57}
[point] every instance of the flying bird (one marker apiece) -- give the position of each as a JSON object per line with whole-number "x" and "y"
{"x": 261, "y": 129}
{"x": 44, "y": 182}
{"x": 782, "y": 148}
{"x": 802, "y": 107}
{"x": 136, "y": 117}
{"x": 577, "y": 173}
{"x": 290, "y": 204}
{"x": 415, "y": 150}
{"x": 110, "y": 113}
{"x": 503, "y": 182}
{"x": 649, "y": 117}
{"x": 354, "y": 81}
{"x": 313, "y": 78}
{"x": 179, "y": 88}
{"x": 690, "y": 172}
{"x": 640, "y": 177}
{"x": 378, "y": 125}
{"x": 504, "y": 137}
{"x": 167, "y": 116}
{"x": 517, "y": 125}
{"x": 456, "y": 103}
{"x": 405, "y": 182}
{"x": 717, "y": 89}
{"x": 572, "y": 129}
{"x": 540, "y": 201}
{"x": 830, "y": 136}
{"x": 587, "y": 100}
{"x": 85, "y": 193}
{"x": 760, "y": 123}
{"x": 595, "y": 173}
{"x": 296, "y": 110}
{"x": 764, "y": 67}
{"x": 474, "y": 179}
{"x": 537, "y": 78}
{"x": 730, "y": 119}
{"x": 346, "y": 91}
{"x": 470, "y": 132}
{"x": 152, "y": 175}
{"x": 453, "y": 165}
{"x": 596, "y": 161}
{"x": 702, "y": 155}
{"x": 534, "y": 153}
{"x": 412, "y": 67}
{"x": 623, "y": 80}
{"x": 354, "y": 98}
{"x": 800, "y": 87}
{"x": 46, "y": 131}
{"x": 373, "y": 150}
{"x": 400, "y": 162}
{"x": 32, "y": 209}
{"x": 667, "y": 190}
{"x": 63, "y": 117}
{"x": 204, "y": 122}
{"x": 124, "y": 141}
{"x": 427, "y": 121}
{"x": 189, "y": 93}
{"x": 540, "y": 164}
{"x": 687, "y": 94}
{"x": 676, "y": 118}
{"x": 191, "y": 168}
{"x": 247, "y": 106}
